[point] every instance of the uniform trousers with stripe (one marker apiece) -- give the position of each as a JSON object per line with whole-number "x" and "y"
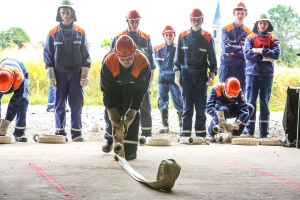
{"x": 262, "y": 86}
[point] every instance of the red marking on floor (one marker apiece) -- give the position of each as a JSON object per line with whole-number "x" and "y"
{"x": 269, "y": 175}
{"x": 39, "y": 170}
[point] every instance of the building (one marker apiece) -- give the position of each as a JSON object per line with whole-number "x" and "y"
{"x": 217, "y": 28}
{"x": 31, "y": 47}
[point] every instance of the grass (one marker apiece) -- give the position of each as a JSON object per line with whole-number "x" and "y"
{"x": 33, "y": 61}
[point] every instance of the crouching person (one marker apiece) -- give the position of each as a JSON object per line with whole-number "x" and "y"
{"x": 14, "y": 78}
{"x": 226, "y": 100}
{"x": 125, "y": 76}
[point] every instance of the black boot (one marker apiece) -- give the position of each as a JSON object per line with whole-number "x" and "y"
{"x": 179, "y": 119}
{"x": 164, "y": 121}
{"x": 107, "y": 146}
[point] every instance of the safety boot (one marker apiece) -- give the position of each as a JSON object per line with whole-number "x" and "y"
{"x": 164, "y": 119}
{"x": 107, "y": 146}
{"x": 21, "y": 139}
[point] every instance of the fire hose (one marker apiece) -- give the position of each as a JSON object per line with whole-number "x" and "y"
{"x": 168, "y": 170}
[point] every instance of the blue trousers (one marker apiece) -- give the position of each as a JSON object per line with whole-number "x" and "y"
{"x": 230, "y": 112}
{"x": 163, "y": 96}
{"x": 131, "y": 139}
{"x": 51, "y": 97}
{"x": 20, "y": 117}
{"x": 261, "y": 85}
{"x": 194, "y": 95}
{"x": 227, "y": 71}
{"x": 145, "y": 112}
{"x": 68, "y": 89}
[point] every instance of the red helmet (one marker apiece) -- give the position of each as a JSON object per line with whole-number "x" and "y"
{"x": 240, "y": 6}
{"x": 6, "y": 80}
{"x": 232, "y": 87}
{"x": 125, "y": 46}
{"x": 168, "y": 29}
{"x": 133, "y": 14}
{"x": 196, "y": 13}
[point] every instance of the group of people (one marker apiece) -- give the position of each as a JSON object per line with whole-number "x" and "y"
{"x": 186, "y": 69}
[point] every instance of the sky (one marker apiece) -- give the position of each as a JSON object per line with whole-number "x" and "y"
{"x": 105, "y": 19}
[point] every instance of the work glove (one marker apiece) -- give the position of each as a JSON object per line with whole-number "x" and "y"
{"x": 113, "y": 116}
{"x": 177, "y": 77}
{"x": 4, "y": 126}
{"x": 229, "y": 127}
{"x": 51, "y": 77}
{"x": 266, "y": 59}
{"x": 211, "y": 78}
{"x": 221, "y": 118}
{"x": 84, "y": 80}
{"x": 257, "y": 50}
{"x": 129, "y": 117}
{"x": 151, "y": 83}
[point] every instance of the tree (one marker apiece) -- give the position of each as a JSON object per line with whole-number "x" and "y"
{"x": 106, "y": 43}
{"x": 14, "y": 35}
{"x": 286, "y": 25}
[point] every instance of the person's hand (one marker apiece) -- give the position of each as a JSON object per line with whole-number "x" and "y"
{"x": 51, "y": 77}
{"x": 129, "y": 117}
{"x": 113, "y": 116}
{"x": 266, "y": 59}
{"x": 221, "y": 118}
{"x": 211, "y": 78}
{"x": 257, "y": 50}
{"x": 84, "y": 80}
{"x": 4, "y": 126}
{"x": 177, "y": 77}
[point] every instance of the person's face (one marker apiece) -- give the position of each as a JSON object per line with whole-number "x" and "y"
{"x": 196, "y": 23}
{"x": 262, "y": 26}
{"x": 126, "y": 62}
{"x": 134, "y": 24}
{"x": 169, "y": 37}
{"x": 66, "y": 15}
{"x": 239, "y": 15}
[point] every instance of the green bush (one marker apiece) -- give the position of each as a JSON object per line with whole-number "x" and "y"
{"x": 284, "y": 77}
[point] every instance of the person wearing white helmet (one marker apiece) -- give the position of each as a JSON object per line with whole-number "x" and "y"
{"x": 142, "y": 40}
{"x": 232, "y": 58}
{"x": 261, "y": 49}
{"x": 195, "y": 55}
{"x": 164, "y": 57}
{"x": 67, "y": 61}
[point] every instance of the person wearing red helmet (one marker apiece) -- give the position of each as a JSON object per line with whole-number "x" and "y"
{"x": 232, "y": 56}
{"x": 164, "y": 57}
{"x": 142, "y": 40}
{"x": 125, "y": 76}
{"x": 14, "y": 79}
{"x": 67, "y": 61}
{"x": 195, "y": 54}
{"x": 226, "y": 100}
{"x": 261, "y": 49}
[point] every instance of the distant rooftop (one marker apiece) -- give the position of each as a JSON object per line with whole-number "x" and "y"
{"x": 217, "y": 19}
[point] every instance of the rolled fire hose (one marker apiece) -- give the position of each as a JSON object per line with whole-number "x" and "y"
{"x": 168, "y": 172}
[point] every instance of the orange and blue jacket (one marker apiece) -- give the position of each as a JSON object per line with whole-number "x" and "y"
{"x": 66, "y": 49}
{"x": 233, "y": 38}
{"x": 271, "y": 49}
{"x": 20, "y": 86}
{"x": 195, "y": 52}
{"x": 142, "y": 40}
{"x": 217, "y": 98}
{"x": 114, "y": 77}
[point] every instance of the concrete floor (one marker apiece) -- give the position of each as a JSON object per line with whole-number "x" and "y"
{"x": 82, "y": 171}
